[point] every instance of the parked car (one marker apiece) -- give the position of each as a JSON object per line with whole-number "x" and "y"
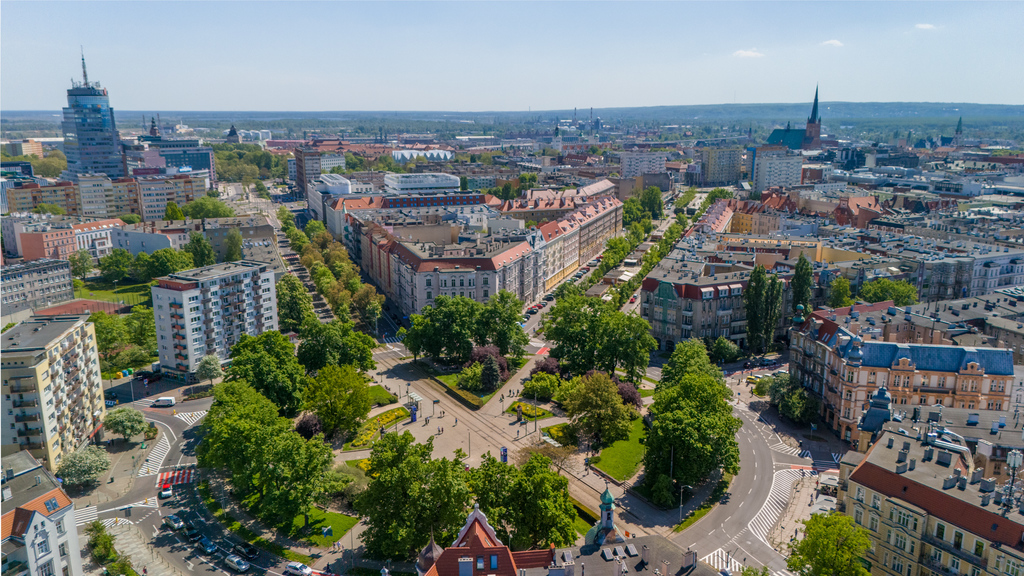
{"x": 633, "y": 299}
{"x": 246, "y": 550}
{"x": 206, "y": 545}
{"x": 531, "y": 311}
{"x": 549, "y": 297}
{"x": 173, "y": 522}
{"x": 526, "y": 318}
{"x": 192, "y": 533}
{"x": 298, "y": 569}
{"x": 236, "y": 563}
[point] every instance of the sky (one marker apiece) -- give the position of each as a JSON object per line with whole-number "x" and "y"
{"x": 496, "y": 56}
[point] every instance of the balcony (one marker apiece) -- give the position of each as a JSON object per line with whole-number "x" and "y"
{"x": 177, "y": 316}
{"x": 22, "y": 388}
{"x": 179, "y": 337}
{"x": 949, "y": 548}
{"x": 175, "y": 306}
{"x": 181, "y": 357}
{"x": 31, "y": 445}
{"x": 179, "y": 347}
{"x": 26, "y": 418}
{"x": 26, "y": 403}
{"x": 30, "y": 432}
{"x": 177, "y": 326}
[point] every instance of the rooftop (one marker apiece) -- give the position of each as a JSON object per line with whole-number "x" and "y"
{"x": 216, "y": 271}
{"x": 38, "y": 333}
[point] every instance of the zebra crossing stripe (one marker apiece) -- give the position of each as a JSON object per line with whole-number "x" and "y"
{"x": 722, "y": 560}
{"x": 177, "y": 477}
{"x": 784, "y": 448}
{"x": 108, "y": 522}
{"x": 837, "y": 457}
{"x": 761, "y": 525}
{"x": 191, "y": 418}
{"x": 85, "y": 515}
{"x": 144, "y": 403}
{"x": 147, "y": 503}
{"x": 156, "y": 457}
{"x": 392, "y": 339}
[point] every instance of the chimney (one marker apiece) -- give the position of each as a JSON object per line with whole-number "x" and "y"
{"x": 889, "y": 444}
{"x": 987, "y": 485}
{"x": 976, "y": 475}
{"x": 901, "y": 456}
{"x": 928, "y": 452}
{"x": 963, "y": 482}
{"x": 985, "y": 499}
{"x": 913, "y": 464}
{"x": 901, "y": 468}
{"x": 947, "y": 483}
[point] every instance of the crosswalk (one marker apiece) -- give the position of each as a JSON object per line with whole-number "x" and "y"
{"x": 784, "y": 448}
{"x": 392, "y": 339}
{"x": 108, "y": 522}
{"x": 722, "y": 560}
{"x": 824, "y": 464}
{"x": 85, "y": 515}
{"x": 183, "y": 476}
{"x": 782, "y": 482}
{"x": 150, "y": 502}
{"x": 156, "y": 458}
{"x": 191, "y": 418}
{"x": 144, "y": 403}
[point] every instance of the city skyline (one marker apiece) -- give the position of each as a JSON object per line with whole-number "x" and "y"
{"x": 510, "y": 56}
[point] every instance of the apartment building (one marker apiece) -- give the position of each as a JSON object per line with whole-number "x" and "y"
{"x": 26, "y": 197}
{"x": 14, "y": 223}
{"x": 598, "y": 221}
{"x": 750, "y": 217}
{"x": 156, "y": 191}
{"x": 776, "y": 169}
{"x": 721, "y": 166}
{"x": 27, "y": 147}
{"x": 94, "y": 237}
{"x": 148, "y": 237}
{"x": 639, "y": 163}
{"x": 34, "y": 285}
{"x": 102, "y": 197}
{"x": 427, "y": 182}
{"x": 927, "y": 508}
{"x": 837, "y": 363}
{"x": 51, "y": 386}
{"x": 307, "y": 167}
{"x": 52, "y": 239}
{"x": 205, "y": 311}
{"x": 39, "y": 535}
{"x": 562, "y": 259}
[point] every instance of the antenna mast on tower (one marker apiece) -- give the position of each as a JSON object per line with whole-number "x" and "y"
{"x": 85, "y": 74}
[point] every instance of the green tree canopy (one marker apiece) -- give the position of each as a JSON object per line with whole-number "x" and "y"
{"x": 83, "y": 466}
{"x": 294, "y": 304}
{"x": 111, "y": 332}
{"x": 901, "y": 292}
{"x": 201, "y": 250}
{"x": 117, "y": 265}
{"x": 209, "y": 368}
{"x": 446, "y": 328}
{"x": 335, "y": 343}
{"x": 125, "y": 421}
{"x": 81, "y": 264}
{"x": 173, "y": 212}
{"x": 652, "y": 203}
{"x": 167, "y": 261}
{"x": 268, "y": 363}
{"x": 207, "y": 207}
{"x": 839, "y": 293}
{"x": 596, "y": 409}
{"x": 314, "y": 227}
{"x": 833, "y": 545}
{"x": 141, "y": 327}
{"x": 130, "y": 218}
{"x": 801, "y": 284}
{"x": 340, "y": 398}
{"x": 233, "y": 246}
{"x": 498, "y": 324}
{"x": 45, "y": 208}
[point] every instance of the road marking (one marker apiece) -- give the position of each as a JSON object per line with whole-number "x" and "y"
{"x": 156, "y": 457}
{"x": 191, "y": 418}
{"x": 184, "y": 476}
{"x": 761, "y": 525}
{"x": 85, "y": 515}
{"x": 784, "y": 448}
{"x": 722, "y": 560}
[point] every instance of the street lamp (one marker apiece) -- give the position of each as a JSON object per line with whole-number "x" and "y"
{"x": 688, "y": 487}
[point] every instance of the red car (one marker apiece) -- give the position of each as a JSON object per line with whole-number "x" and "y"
{"x": 633, "y": 299}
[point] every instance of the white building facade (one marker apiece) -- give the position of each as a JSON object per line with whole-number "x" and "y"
{"x": 420, "y": 183}
{"x": 776, "y": 170}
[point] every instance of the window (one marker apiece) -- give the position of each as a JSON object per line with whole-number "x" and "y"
{"x": 900, "y": 541}
{"x": 63, "y": 549}
{"x": 904, "y": 519}
{"x": 940, "y": 531}
{"x": 479, "y": 562}
{"x": 430, "y": 295}
{"x": 429, "y": 282}
{"x": 46, "y": 569}
{"x": 979, "y": 548}
{"x": 876, "y": 502}
{"x": 494, "y": 561}
{"x": 43, "y": 547}
{"x": 860, "y": 493}
{"x": 60, "y": 527}
{"x": 858, "y": 516}
{"x": 873, "y": 523}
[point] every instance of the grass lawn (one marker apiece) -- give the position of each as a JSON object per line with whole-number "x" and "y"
{"x": 370, "y": 429}
{"x": 585, "y": 517}
{"x": 559, "y": 433}
{"x": 319, "y": 519}
{"x": 244, "y": 533}
{"x": 131, "y": 294}
{"x": 622, "y": 459}
{"x": 651, "y": 380}
{"x": 452, "y": 381}
{"x": 708, "y": 505}
{"x": 378, "y": 395}
{"x": 530, "y": 411}
{"x": 645, "y": 392}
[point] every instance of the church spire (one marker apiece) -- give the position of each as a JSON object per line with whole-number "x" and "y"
{"x": 814, "y": 109}
{"x": 960, "y": 125}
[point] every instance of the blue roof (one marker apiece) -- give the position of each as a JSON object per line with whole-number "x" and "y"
{"x": 938, "y": 358}
{"x": 792, "y": 138}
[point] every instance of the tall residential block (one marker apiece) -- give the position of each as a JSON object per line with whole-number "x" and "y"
{"x": 24, "y": 148}
{"x": 205, "y": 311}
{"x": 29, "y": 195}
{"x": 639, "y": 163}
{"x": 721, "y": 166}
{"x": 776, "y": 169}
{"x": 39, "y": 535}
{"x": 91, "y": 141}
{"x": 34, "y": 285}
{"x": 52, "y": 387}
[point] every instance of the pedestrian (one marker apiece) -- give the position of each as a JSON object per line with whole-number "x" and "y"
{"x": 438, "y": 430}
{"x": 442, "y": 430}
{"x": 145, "y": 571}
{"x": 456, "y": 420}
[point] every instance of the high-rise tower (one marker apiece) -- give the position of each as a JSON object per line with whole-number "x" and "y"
{"x": 91, "y": 141}
{"x": 812, "y": 135}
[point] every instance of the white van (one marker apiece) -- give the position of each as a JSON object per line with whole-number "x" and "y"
{"x": 164, "y": 402}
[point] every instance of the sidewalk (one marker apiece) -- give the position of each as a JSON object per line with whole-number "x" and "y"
{"x": 125, "y": 460}
{"x": 129, "y": 540}
{"x": 790, "y": 524}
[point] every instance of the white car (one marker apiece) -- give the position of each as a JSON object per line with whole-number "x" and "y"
{"x": 166, "y": 491}
{"x": 298, "y": 569}
{"x": 236, "y": 563}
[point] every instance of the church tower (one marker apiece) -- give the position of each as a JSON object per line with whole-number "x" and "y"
{"x": 812, "y": 135}
{"x": 958, "y": 136}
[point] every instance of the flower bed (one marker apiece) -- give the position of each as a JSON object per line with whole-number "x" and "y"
{"x": 372, "y": 427}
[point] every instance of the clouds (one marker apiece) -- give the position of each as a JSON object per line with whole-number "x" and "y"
{"x": 925, "y": 26}
{"x": 835, "y": 43}
{"x": 752, "y": 53}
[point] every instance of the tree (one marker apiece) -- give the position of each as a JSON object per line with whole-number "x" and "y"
{"x": 294, "y": 304}
{"x": 233, "y": 246}
{"x": 754, "y": 305}
{"x": 83, "y": 466}
{"x": 201, "y": 250}
{"x": 140, "y": 267}
{"x": 901, "y": 292}
{"x": 287, "y": 219}
{"x": 839, "y": 292}
{"x": 339, "y": 397}
{"x": 111, "y": 332}
{"x": 772, "y": 310}
{"x": 498, "y": 324}
{"x": 463, "y": 183}
{"x": 173, "y": 212}
{"x": 117, "y": 265}
{"x": 572, "y": 324}
{"x": 529, "y": 506}
{"x": 833, "y": 545}
{"x": 141, "y": 328}
{"x": 446, "y": 328}
{"x": 207, "y": 207}
{"x": 314, "y": 227}
{"x": 167, "y": 261}
{"x": 490, "y": 375}
{"x": 632, "y": 211}
{"x": 81, "y": 264}
{"x": 209, "y": 368}
{"x": 801, "y": 284}
{"x": 335, "y": 343}
{"x": 694, "y": 431}
{"x": 624, "y": 342}
{"x": 130, "y": 218}
{"x": 45, "y": 208}
{"x": 125, "y": 421}
{"x": 689, "y": 358}
{"x": 268, "y": 363}
{"x": 596, "y": 409}
{"x": 541, "y": 386}
{"x": 724, "y": 350}
{"x": 652, "y": 202}
{"x": 434, "y": 499}
{"x": 366, "y": 301}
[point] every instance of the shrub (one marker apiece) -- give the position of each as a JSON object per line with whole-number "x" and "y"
{"x": 470, "y": 378}
{"x": 542, "y": 386}
{"x": 481, "y": 353}
{"x": 150, "y": 432}
{"x": 308, "y": 425}
{"x": 547, "y": 366}
{"x": 490, "y": 374}
{"x": 661, "y": 491}
{"x": 630, "y": 395}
